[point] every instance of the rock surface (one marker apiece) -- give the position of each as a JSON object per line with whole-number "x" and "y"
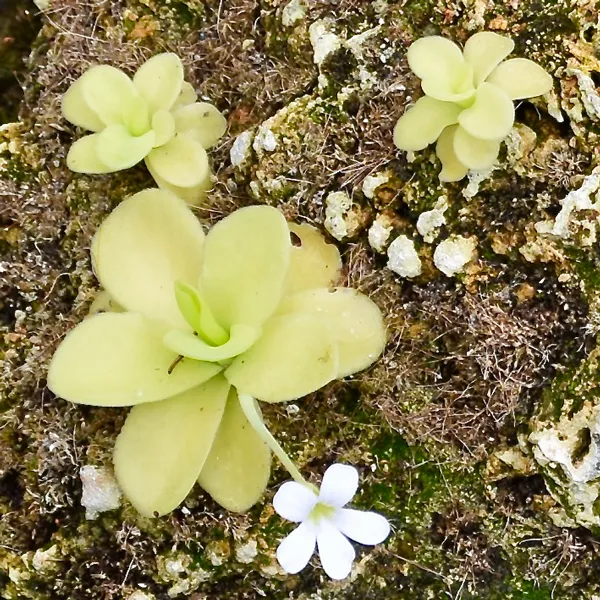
{"x": 476, "y": 434}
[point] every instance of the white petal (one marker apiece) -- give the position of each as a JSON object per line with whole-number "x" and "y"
{"x": 294, "y": 501}
{"x": 340, "y": 483}
{"x": 363, "y": 527}
{"x": 296, "y": 549}
{"x": 335, "y": 551}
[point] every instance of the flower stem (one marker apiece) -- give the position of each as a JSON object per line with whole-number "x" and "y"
{"x": 250, "y": 409}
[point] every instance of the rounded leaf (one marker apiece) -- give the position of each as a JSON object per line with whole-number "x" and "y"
{"x": 452, "y": 168}
{"x": 355, "y": 322}
{"x": 118, "y": 359}
{"x": 109, "y": 93}
{"x": 422, "y": 124}
{"x": 246, "y": 258}
{"x": 76, "y": 109}
{"x": 520, "y": 78}
{"x": 83, "y": 156}
{"x": 186, "y": 96}
{"x": 164, "y": 445}
{"x": 159, "y": 81}
{"x": 119, "y": 150}
{"x": 454, "y": 86}
{"x": 484, "y": 51}
{"x": 314, "y": 263}
{"x": 295, "y": 356}
{"x": 192, "y": 195}
{"x": 163, "y": 126}
{"x": 433, "y": 57}
{"x": 181, "y": 161}
{"x": 491, "y": 116}
{"x": 202, "y": 122}
{"x": 144, "y": 246}
{"x": 473, "y": 152}
{"x": 237, "y": 469}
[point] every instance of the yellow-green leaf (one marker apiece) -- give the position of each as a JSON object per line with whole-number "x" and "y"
{"x": 452, "y": 168}
{"x": 355, "y": 322}
{"x": 119, "y": 150}
{"x": 491, "y": 116}
{"x": 164, "y": 445}
{"x": 433, "y": 57}
{"x": 521, "y": 78}
{"x": 422, "y": 124}
{"x": 118, "y": 359}
{"x": 473, "y": 152}
{"x": 159, "y": 81}
{"x": 76, "y": 110}
{"x": 295, "y": 356}
{"x": 314, "y": 263}
{"x": 181, "y": 161}
{"x": 144, "y": 246}
{"x": 246, "y": 258}
{"x": 237, "y": 469}
{"x": 83, "y": 156}
{"x": 484, "y": 51}
{"x": 202, "y": 122}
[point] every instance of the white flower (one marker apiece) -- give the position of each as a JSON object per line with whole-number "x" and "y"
{"x": 325, "y": 523}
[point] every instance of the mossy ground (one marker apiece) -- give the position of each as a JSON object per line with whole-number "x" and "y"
{"x": 470, "y": 359}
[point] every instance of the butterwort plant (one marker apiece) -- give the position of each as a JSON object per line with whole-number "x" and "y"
{"x": 468, "y": 104}
{"x": 153, "y": 117}
{"x": 198, "y": 328}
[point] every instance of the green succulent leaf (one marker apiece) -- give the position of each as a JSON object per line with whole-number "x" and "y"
{"x": 455, "y": 86}
{"x": 491, "y": 116}
{"x": 422, "y": 124}
{"x": 452, "y": 168}
{"x": 119, "y": 150}
{"x": 433, "y": 57}
{"x": 145, "y": 245}
{"x": 296, "y": 355}
{"x": 484, "y": 51}
{"x": 186, "y": 96}
{"x": 355, "y": 322}
{"x": 237, "y": 469}
{"x": 83, "y": 156}
{"x": 192, "y": 195}
{"x": 76, "y": 110}
{"x": 119, "y": 359}
{"x": 313, "y": 264}
{"x": 246, "y": 258}
{"x": 159, "y": 81}
{"x": 187, "y": 344}
{"x": 109, "y": 93}
{"x": 181, "y": 161}
{"x": 202, "y": 122}
{"x": 163, "y": 125}
{"x": 520, "y": 78}
{"x": 473, "y": 152}
{"x": 163, "y": 446}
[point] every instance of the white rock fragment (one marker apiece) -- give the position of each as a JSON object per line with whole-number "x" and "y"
{"x": 265, "y": 139}
{"x": 589, "y": 95}
{"x": 476, "y": 178}
{"x": 100, "y": 491}
{"x": 451, "y": 256}
{"x": 246, "y": 553}
{"x": 45, "y": 560}
{"x": 323, "y": 41}
{"x": 403, "y": 258}
{"x": 562, "y": 445}
{"x": 337, "y": 208}
{"x": 292, "y": 12}
{"x": 580, "y": 199}
{"x": 240, "y": 148}
{"x": 379, "y": 233}
{"x": 139, "y": 595}
{"x": 372, "y": 182}
{"x": 430, "y": 221}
